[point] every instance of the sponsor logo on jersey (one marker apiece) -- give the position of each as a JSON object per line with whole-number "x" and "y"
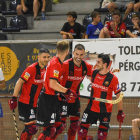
{"x": 56, "y": 73}
{"x": 100, "y": 77}
{"x": 106, "y": 83}
{"x": 39, "y": 122}
{"x": 101, "y": 87}
{"x": 75, "y": 78}
{"x": 27, "y": 75}
{"x": 78, "y": 69}
{"x": 38, "y": 81}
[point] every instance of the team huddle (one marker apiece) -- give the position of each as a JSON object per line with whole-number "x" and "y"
{"x": 50, "y": 92}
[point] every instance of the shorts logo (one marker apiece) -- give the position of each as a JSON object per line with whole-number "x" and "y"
{"x": 27, "y": 75}
{"x": 105, "y": 119}
{"x": 20, "y": 117}
{"x": 32, "y": 116}
{"x": 39, "y": 122}
{"x": 85, "y": 115}
{"x": 56, "y": 73}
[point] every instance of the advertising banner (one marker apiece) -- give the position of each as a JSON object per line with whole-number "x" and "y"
{"x": 15, "y": 57}
{"x": 125, "y": 59}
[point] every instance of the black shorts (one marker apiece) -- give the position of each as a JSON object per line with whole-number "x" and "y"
{"x": 29, "y": 5}
{"x": 72, "y": 109}
{"x": 48, "y": 110}
{"x": 27, "y": 112}
{"x": 89, "y": 117}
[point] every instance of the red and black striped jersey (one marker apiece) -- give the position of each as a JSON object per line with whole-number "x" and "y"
{"x": 53, "y": 71}
{"x": 33, "y": 76}
{"x": 103, "y": 87}
{"x": 74, "y": 75}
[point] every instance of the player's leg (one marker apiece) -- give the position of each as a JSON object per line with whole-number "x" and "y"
{"x": 87, "y": 118}
{"x": 74, "y": 113}
{"x": 60, "y": 123}
{"x": 29, "y": 130}
{"x": 27, "y": 115}
{"x": 136, "y": 128}
{"x": 46, "y": 115}
{"x": 74, "y": 124}
{"x": 104, "y": 125}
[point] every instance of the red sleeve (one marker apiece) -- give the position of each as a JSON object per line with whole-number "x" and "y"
{"x": 89, "y": 68}
{"x": 122, "y": 30}
{"x": 116, "y": 87}
{"x": 55, "y": 71}
{"x": 28, "y": 72}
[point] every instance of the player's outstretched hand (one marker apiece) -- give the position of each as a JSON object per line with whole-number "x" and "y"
{"x": 13, "y": 103}
{"x": 71, "y": 93}
{"x": 120, "y": 116}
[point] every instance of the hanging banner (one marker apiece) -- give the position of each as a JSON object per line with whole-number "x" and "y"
{"x": 15, "y": 57}
{"x": 124, "y": 56}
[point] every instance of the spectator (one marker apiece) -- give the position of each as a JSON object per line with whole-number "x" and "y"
{"x": 72, "y": 29}
{"x": 31, "y": 5}
{"x": 134, "y": 31}
{"x": 137, "y": 7}
{"x": 115, "y": 28}
{"x": 118, "y": 4}
{"x": 94, "y": 28}
{"x": 2, "y": 86}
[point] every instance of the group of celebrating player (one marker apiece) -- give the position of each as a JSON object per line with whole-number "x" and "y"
{"x": 49, "y": 106}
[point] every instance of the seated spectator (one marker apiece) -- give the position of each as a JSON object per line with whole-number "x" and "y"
{"x": 115, "y": 28}
{"x": 118, "y": 4}
{"x": 94, "y": 28}
{"x": 72, "y": 29}
{"x": 137, "y": 7}
{"x": 134, "y": 31}
{"x": 31, "y": 5}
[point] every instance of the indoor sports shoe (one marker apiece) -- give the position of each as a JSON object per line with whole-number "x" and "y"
{"x": 55, "y": 1}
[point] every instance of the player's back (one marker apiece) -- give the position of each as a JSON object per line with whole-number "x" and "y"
{"x": 54, "y": 72}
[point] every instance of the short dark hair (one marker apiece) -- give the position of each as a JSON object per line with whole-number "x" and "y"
{"x": 105, "y": 58}
{"x": 94, "y": 14}
{"x": 73, "y": 14}
{"x": 115, "y": 12}
{"x": 135, "y": 15}
{"x": 43, "y": 50}
{"x": 62, "y": 46}
{"x": 79, "y": 47}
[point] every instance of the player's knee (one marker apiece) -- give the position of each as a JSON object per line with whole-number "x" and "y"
{"x": 75, "y": 125}
{"x": 61, "y": 128}
{"x": 31, "y": 129}
{"x": 50, "y": 131}
{"x": 82, "y": 131}
{"x": 102, "y": 135}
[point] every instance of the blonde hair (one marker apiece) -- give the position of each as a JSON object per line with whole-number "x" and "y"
{"x": 62, "y": 46}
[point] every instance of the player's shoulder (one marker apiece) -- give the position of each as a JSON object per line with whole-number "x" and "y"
{"x": 55, "y": 61}
{"x": 32, "y": 66}
{"x": 86, "y": 63}
{"x": 66, "y": 62}
{"x": 113, "y": 75}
